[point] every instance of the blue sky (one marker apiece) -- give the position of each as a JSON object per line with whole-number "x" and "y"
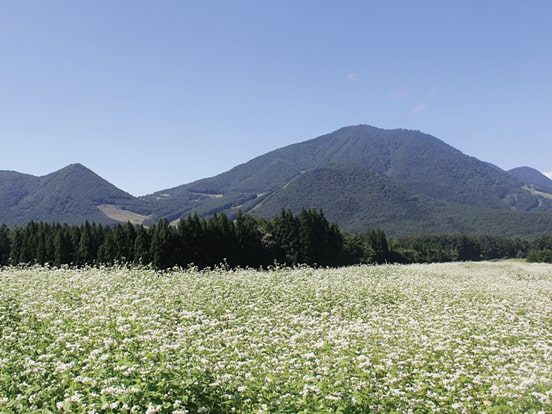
{"x": 154, "y": 94}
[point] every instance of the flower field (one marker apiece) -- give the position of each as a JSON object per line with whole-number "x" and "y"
{"x": 460, "y": 337}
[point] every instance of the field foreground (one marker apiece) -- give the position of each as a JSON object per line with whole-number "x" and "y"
{"x": 462, "y": 337}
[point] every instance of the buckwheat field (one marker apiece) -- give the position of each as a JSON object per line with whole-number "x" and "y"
{"x": 460, "y": 337}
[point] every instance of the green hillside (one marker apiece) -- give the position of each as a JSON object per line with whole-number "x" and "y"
{"x": 532, "y": 178}
{"x": 360, "y": 197}
{"x": 427, "y": 185}
{"x": 415, "y": 160}
{"x": 70, "y": 195}
{"x": 402, "y": 181}
{"x": 356, "y": 197}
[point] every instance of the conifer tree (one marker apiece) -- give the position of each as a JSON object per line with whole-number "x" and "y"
{"x": 86, "y": 253}
{"x": 141, "y": 246}
{"x": 107, "y": 252}
{"x": 62, "y": 246}
{"x": 194, "y": 239}
{"x": 16, "y": 242}
{"x": 162, "y": 245}
{"x": 4, "y": 245}
{"x": 249, "y": 249}
{"x": 285, "y": 234}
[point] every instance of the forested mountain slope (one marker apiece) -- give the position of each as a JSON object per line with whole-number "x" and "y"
{"x": 532, "y": 178}
{"x": 402, "y": 181}
{"x": 423, "y": 174}
{"x": 70, "y": 195}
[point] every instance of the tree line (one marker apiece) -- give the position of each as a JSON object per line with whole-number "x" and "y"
{"x": 288, "y": 239}
{"x": 541, "y": 249}
{"x": 458, "y": 247}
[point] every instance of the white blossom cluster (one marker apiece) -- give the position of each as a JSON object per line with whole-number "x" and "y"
{"x": 461, "y": 337}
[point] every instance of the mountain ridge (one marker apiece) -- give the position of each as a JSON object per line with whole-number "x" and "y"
{"x": 532, "y": 177}
{"x": 399, "y": 180}
{"x": 415, "y": 160}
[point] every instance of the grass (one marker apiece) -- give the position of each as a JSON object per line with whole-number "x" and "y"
{"x": 462, "y": 337}
{"x": 537, "y": 192}
{"x": 117, "y": 213}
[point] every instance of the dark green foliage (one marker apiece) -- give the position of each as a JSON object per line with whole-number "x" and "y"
{"x": 163, "y": 245}
{"x": 307, "y": 238}
{"x": 64, "y": 248}
{"x": 284, "y": 231}
{"x": 359, "y": 197}
{"x": 70, "y": 195}
{"x": 194, "y": 245}
{"x": 16, "y": 243}
{"x": 532, "y": 178}
{"x": 377, "y": 242}
{"x": 249, "y": 246}
{"x": 541, "y": 249}
{"x": 106, "y": 251}
{"x": 4, "y": 245}
{"x": 86, "y": 252}
{"x": 142, "y": 242}
{"x": 123, "y": 238}
{"x": 454, "y": 247}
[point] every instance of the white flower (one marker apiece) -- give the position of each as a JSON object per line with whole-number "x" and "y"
{"x": 153, "y": 409}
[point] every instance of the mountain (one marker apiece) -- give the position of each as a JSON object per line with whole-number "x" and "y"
{"x": 364, "y": 198}
{"x": 532, "y": 178}
{"x": 417, "y": 161}
{"x": 424, "y": 184}
{"x": 401, "y": 181}
{"x": 71, "y": 195}
{"x": 360, "y": 196}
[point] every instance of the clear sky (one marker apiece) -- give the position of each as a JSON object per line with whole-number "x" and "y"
{"x": 154, "y": 94}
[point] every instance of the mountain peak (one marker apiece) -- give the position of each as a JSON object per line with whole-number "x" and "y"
{"x": 75, "y": 167}
{"x": 70, "y": 195}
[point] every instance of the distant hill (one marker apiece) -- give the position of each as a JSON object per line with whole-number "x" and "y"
{"x": 364, "y": 198}
{"x": 70, "y": 195}
{"x": 356, "y": 196}
{"x": 402, "y": 181}
{"x": 532, "y": 178}
{"x": 418, "y": 161}
{"x": 427, "y": 182}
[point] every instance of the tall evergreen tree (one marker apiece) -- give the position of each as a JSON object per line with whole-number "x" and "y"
{"x": 285, "y": 234}
{"x": 63, "y": 248}
{"x": 107, "y": 252}
{"x": 123, "y": 237}
{"x": 193, "y": 237}
{"x": 86, "y": 253}
{"x": 141, "y": 246}
{"x": 162, "y": 245}
{"x": 16, "y": 242}
{"x": 220, "y": 234}
{"x": 377, "y": 242}
{"x": 249, "y": 250}
{"x": 4, "y": 245}
{"x": 40, "y": 243}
